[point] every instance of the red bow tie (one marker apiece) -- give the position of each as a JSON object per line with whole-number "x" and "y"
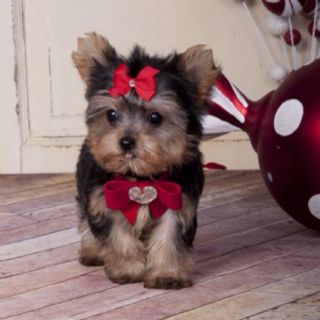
{"x": 144, "y": 84}
{"x": 128, "y": 196}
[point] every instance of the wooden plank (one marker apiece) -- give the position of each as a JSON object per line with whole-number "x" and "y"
{"x": 255, "y": 301}
{"x": 310, "y": 252}
{"x": 229, "y": 243}
{"x": 309, "y": 277}
{"x": 237, "y": 307}
{"x": 217, "y": 212}
{"x": 211, "y": 190}
{"x": 307, "y": 308}
{"x": 215, "y": 190}
{"x": 52, "y": 200}
{"x": 36, "y": 230}
{"x": 11, "y": 221}
{"x": 76, "y": 287}
{"x": 223, "y": 175}
{"x": 54, "y": 212}
{"x": 16, "y": 183}
{"x": 228, "y": 177}
{"x": 13, "y": 224}
{"x": 76, "y": 308}
{"x": 37, "y": 193}
{"x": 232, "y": 194}
{"x": 31, "y": 281}
{"x": 238, "y": 224}
{"x": 220, "y": 263}
{"x": 33, "y": 245}
{"x": 38, "y": 260}
{"x": 301, "y": 241}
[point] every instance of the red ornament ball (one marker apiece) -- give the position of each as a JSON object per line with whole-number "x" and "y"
{"x": 284, "y": 129}
{"x": 294, "y": 39}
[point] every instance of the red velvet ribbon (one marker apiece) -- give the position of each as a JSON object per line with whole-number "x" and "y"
{"x": 225, "y": 87}
{"x": 116, "y": 193}
{"x": 144, "y": 83}
{"x": 214, "y": 166}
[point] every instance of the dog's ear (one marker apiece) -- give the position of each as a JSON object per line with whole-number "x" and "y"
{"x": 93, "y": 49}
{"x": 196, "y": 64}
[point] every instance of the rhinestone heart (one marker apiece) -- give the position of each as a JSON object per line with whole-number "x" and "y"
{"x": 146, "y": 196}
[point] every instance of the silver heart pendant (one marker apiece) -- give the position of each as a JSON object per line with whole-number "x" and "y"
{"x": 146, "y": 196}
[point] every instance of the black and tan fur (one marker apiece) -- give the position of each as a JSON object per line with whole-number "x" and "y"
{"x": 158, "y": 252}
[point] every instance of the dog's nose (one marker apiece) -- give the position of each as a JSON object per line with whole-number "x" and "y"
{"x": 127, "y": 143}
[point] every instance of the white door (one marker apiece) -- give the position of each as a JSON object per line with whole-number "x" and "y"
{"x": 43, "y": 125}
{"x": 50, "y": 92}
{"x": 9, "y": 124}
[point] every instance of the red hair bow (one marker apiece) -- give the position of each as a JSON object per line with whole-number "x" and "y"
{"x": 144, "y": 83}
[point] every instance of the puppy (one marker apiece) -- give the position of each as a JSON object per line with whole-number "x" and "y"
{"x": 139, "y": 174}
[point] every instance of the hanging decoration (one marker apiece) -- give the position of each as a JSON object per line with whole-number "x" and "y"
{"x": 284, "y": 125}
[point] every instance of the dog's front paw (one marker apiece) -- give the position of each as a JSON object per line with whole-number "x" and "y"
{"x": 124, "y": 278}
{"x": 91, "y": 261}
{"x": 166, "y": 282}
{"x": 90, "y": 257}
{"x": 129, "y": 272}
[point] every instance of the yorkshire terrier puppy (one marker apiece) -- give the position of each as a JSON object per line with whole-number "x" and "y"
{"x": 139, "y": 174}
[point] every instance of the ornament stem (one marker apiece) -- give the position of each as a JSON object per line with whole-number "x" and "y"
{"x": 313, "y": 50}
{"x": 258, "y": 34}
{"x": 294, "y": 54}
{"x": 285, "y": 52}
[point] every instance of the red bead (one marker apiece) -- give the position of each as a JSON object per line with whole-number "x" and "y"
{"x": 284, "y": 8}
{"x": 296, "y": 35}
{"x": 275, "y": 7}
{"x": 311, "y": 28}
{"x": 308, "y": 6}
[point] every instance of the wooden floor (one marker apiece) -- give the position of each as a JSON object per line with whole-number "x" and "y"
{"x": 253, "y": 261}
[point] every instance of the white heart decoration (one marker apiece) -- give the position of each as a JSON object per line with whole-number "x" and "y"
{"x": 146, "y": 196}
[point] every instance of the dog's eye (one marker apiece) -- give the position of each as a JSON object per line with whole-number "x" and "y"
{"x": 155, "y": 118}
{"x": 112, "y": 115}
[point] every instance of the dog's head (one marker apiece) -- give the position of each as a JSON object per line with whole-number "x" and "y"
{"x": 133, "y": 127}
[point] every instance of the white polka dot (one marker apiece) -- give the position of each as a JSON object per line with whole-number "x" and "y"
{"x": 288, "y": 117}
{"x": 314, "y": 205}
{"x": 270, "y": 177}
